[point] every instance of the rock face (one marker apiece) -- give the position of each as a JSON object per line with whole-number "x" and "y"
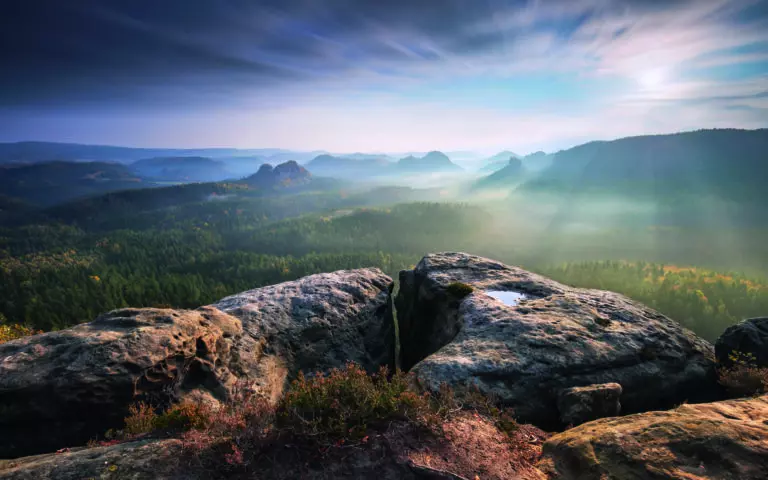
{"x": 583, "y": 404}
{"x": 62, "y": 388}
{"x": 747, "y": 337}
{"x": 321, "y": 321}
{"x": 133, "y": 460}
{"x": 725, "y": 440}
{"x": 556, "y": 338}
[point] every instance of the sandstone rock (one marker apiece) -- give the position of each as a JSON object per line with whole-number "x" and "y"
{"x": 127, "y": 461}
{"x": 747, "y": 337}
{"x": 321, "y": 321}
{"x": 62, "y": 388}
{"x": 582, "y": 404}
{"x": 556, "y": 338}
{"x": 723, "y": 440}
{"x": 471, "y": 446}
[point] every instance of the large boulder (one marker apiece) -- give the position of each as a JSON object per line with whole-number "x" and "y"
{"x": 62, "y": 388}
{"x": 747, "y": 340}
{"x": 556, "y": 337}
{"x": 725, "y": 440}
{"x": 321, "y": 321}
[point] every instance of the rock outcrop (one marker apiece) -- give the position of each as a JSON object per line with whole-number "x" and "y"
{"x": 557, "y": 337}
{"x": 471, "y": 446}
{"x": 749, "y": 337}
{"x": 578, "y": 405}
{"x": 724, "y": 440}
{"x": 147, "y": 459}
{"x": 284, "y": 175}
{"x": 60, "y": 389}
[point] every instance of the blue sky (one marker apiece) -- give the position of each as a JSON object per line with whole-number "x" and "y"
{"x": 365, "y": 75}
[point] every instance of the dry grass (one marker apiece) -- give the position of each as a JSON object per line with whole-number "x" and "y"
{"x": 323, "y": 415}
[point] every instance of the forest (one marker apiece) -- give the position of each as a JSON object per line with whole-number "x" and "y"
{"x": 78, "y": 261}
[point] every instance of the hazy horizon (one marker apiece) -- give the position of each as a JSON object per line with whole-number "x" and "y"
{"x": 357, "y": 76}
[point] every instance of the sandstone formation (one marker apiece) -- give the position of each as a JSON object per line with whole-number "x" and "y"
{"x": 558, "y": 337}
{"x": 747, "y": 337}
{"x": 583, "y": 404}
{"x": 146, "y": 459}
{"x": 62, "y": 388}
{"x": 720, "y": 440}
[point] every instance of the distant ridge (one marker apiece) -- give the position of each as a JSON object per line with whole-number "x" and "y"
{"x": 182, "y": 169}
{"x": 433, "y": 161}
{"x": 728, "y": 163}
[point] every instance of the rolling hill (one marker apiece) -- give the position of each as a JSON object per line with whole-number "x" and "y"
{"x": 730, "y": 164}
{"x": 498, "y": 161}
{"x": 49, "y": 183}
{"x": 431, "y": 162}
{"x": 182, "y": 169}
{"x": 349, "y": 167}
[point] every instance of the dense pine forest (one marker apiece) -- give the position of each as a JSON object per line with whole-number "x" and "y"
{"x": 69, "y": 264}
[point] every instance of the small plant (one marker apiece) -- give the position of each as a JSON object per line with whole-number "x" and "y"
{"x": 141, "y": 419}
{"x": 344, "y": 403}
{"x": 743, "y": 377}
{"x": 14, "y": 331}
{"x": 341, "y": 408}
{"x": 459, "y": 289}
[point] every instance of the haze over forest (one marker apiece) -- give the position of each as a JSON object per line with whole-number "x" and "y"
{"x": 176, "y": 154}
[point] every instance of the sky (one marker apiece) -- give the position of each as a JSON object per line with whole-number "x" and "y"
{"x": 378, "y": 76}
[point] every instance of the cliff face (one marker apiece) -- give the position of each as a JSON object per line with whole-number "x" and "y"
{"x": 556, "y": 355}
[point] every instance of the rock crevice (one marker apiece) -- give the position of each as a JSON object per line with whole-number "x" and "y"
{"x": 63, "y": 388}
{"x": 559, "y": 337}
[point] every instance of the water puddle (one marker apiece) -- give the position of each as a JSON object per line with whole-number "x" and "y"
{"x": 509, "y": 298}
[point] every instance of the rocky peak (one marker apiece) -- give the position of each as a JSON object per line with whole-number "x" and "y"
{"x": 285, "y": 174}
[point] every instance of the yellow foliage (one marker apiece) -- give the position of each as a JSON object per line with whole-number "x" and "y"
{"x": 13, "y": 332}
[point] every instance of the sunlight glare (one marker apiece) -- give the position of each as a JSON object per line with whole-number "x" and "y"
{"x": 651, "y": 79}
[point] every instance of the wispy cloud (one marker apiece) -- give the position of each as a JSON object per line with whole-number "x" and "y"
{"x": 634, "y": 66}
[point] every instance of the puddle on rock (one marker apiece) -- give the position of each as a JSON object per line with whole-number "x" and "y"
{"x": 509, "y": 298}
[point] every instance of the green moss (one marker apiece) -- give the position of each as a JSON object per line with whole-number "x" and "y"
{"x": 602, "y": 321}
{"x": 460, "y": 290}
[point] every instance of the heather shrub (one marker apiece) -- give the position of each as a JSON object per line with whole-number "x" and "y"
{"x": 341, "y": 407}
{"x": 743, "y": 377}
{"x": 347, "y": 401}
{"x": 141, "y": 419}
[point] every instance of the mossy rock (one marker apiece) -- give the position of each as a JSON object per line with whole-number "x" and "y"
{"x": 459, "y": 289}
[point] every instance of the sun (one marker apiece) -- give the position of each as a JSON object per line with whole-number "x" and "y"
{"x": 652, "y": 79}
